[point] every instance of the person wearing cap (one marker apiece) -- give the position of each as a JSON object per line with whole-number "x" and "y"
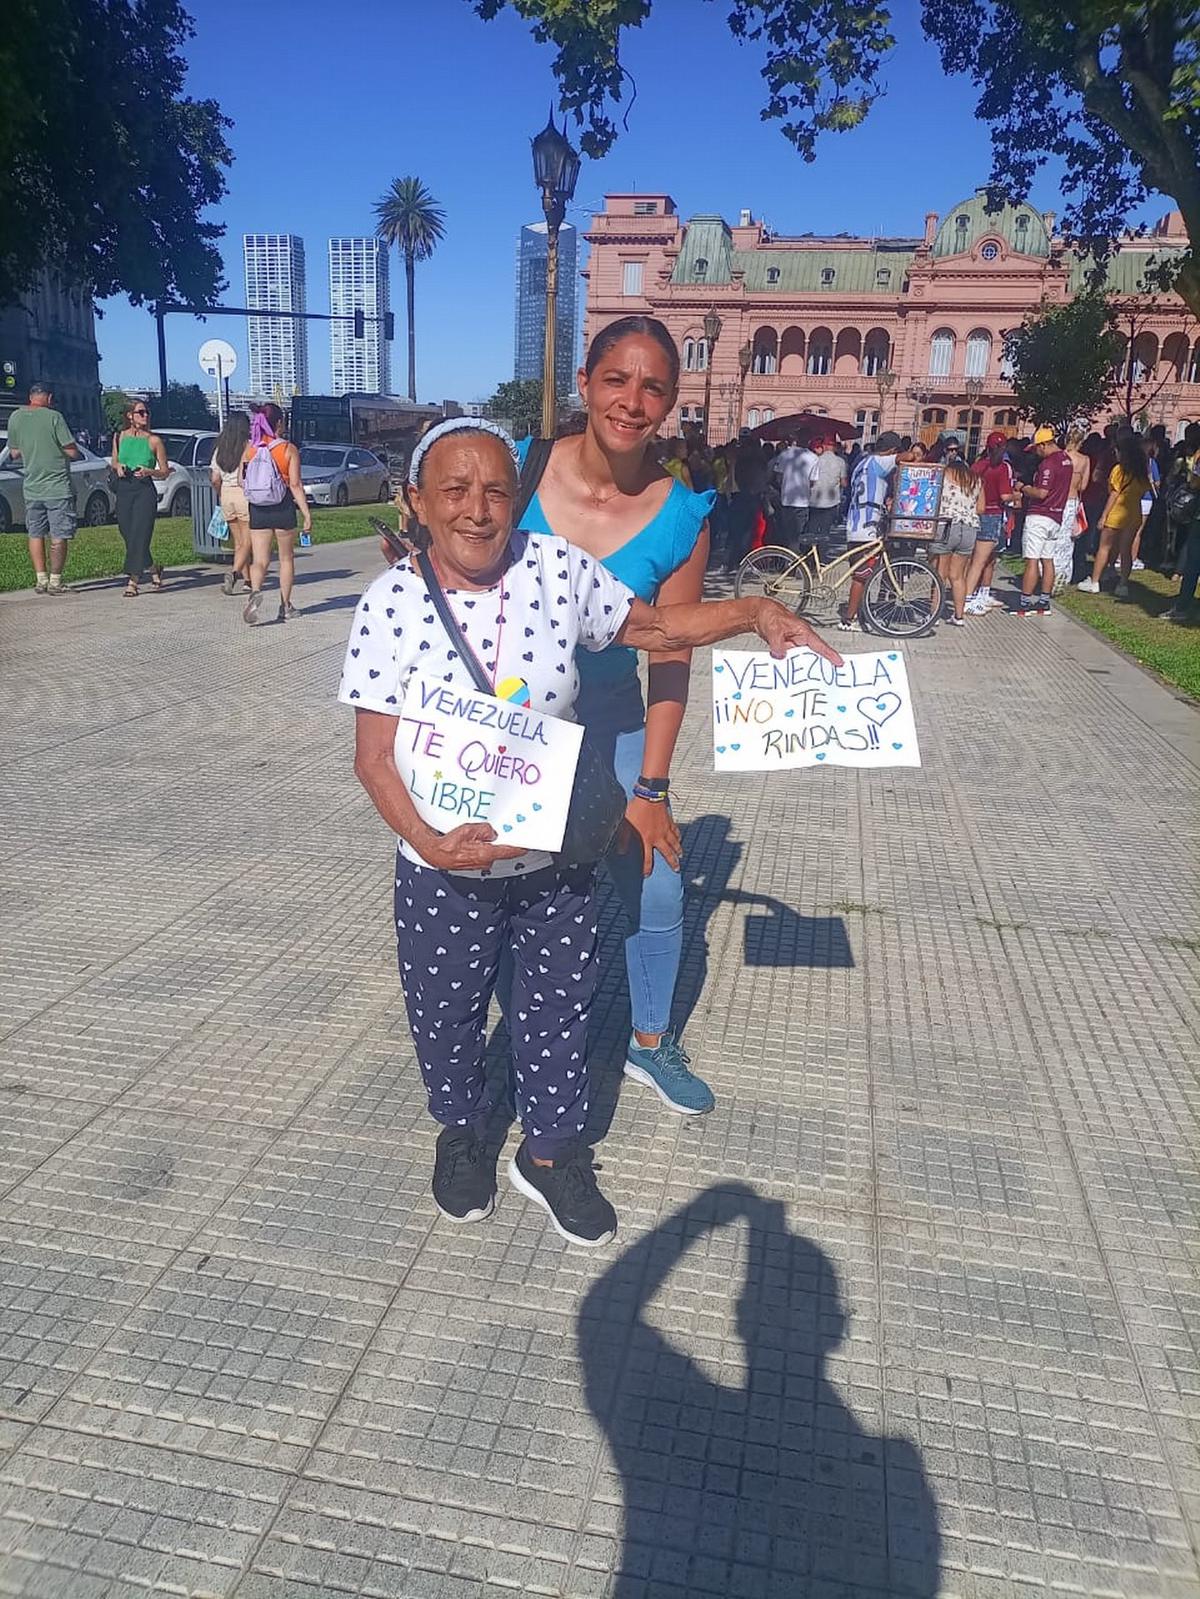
{"x": 995, "y": 473}
{"x": 827, "y": 491}
{"x": 1048, "y": 495}
{"x": 520, "y": 602}
{"x": 870, "y": 495}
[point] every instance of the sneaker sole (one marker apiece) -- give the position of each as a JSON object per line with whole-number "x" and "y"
{"x": 524, "y": 1186}
{"x": 639, "y": 1074}
{"x": 472, "y": 1215}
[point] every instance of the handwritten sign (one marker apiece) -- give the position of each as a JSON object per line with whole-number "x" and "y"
{"x": 917, "y": 497}
{"x": 771, "y": 715}
{"x": 466, "y": 757}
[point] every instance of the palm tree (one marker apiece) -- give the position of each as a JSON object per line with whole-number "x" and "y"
{"x": 410, "y": 218}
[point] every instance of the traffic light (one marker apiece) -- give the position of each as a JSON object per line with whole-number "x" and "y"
{"x": 360, "y": 325}
{"x": 389, "y": 326}
{"x": 8, "y": 376}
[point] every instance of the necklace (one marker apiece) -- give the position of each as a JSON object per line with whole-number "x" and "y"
{"x": 597, "y": 499}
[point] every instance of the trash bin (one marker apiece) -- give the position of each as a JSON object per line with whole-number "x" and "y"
{"x": 203, "y": 501}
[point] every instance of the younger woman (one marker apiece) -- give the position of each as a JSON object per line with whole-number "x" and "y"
{"x": 138, "y": 458}
{"x": 1121, "y": 518}
{"x": 276, "y": 521}
{"x": 226, "y": 476}
{"x": 606, "y": 493}
{"x": 962, "y": 501}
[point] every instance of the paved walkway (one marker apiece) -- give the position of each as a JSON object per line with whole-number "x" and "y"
{"x": 915, "y": 1310}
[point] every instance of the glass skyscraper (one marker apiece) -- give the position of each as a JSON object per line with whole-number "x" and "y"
{"x": 531, "y": 306}
{"x": 275, "y": 282}
{"x": 358, "y": 281}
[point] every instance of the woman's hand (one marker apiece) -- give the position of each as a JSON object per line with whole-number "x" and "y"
{"x": 781, "y": 630}
{"x": 468, "y": 848}
{"x": 651, "y": 824}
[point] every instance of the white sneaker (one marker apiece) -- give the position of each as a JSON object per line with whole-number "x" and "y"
{"x": 993, "y": 604}
{"x": 850, "y": 626}
{"x": 1088, "y": 586}
{"x": 975, "y": 608}
{"x": 1122, "y": 591}
{"x": 1139, "y": 566}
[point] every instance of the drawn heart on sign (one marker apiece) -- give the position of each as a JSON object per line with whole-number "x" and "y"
{"x": 718, "y": 668}
{"x": 537, "y": 805}
{"x": 821, "y": 757}
{"x": 500, "y": 748}
{"x": 720, "y": 749}
{"x": 879, "y": 709}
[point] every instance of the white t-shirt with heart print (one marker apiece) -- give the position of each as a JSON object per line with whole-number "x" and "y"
{"x": 553, "y": 597}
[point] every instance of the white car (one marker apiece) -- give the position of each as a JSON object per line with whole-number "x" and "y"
{"x": 185, "y": 447}
{"x": 334, "y": 474}
{"x": 95, "y": 503}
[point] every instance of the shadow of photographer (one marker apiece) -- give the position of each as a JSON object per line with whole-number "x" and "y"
{"x": 771, "y": 1488}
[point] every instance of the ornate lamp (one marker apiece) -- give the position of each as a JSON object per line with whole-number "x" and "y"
{"x": 712, "y": 332}
{"x": 556, "y": 172}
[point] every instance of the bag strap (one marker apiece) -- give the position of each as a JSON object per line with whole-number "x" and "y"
{"x": 532, "y": 469}
{"x": 456, "y": 635}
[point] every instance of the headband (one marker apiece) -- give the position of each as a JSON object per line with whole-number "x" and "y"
{"x": 460, "y": 424}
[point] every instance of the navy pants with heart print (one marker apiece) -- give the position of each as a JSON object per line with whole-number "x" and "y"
{"x": 450, "y": 932}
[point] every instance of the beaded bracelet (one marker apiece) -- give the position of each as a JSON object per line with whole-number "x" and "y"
{"x": 655, "y": 795}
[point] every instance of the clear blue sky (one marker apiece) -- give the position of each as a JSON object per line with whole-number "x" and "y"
{"x": 329, "y": 104}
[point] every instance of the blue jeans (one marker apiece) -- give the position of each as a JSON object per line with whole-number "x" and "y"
{"x": 653, "y": 905}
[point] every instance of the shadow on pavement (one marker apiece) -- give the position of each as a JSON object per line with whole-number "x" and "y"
{"x": 770, "y": 1488}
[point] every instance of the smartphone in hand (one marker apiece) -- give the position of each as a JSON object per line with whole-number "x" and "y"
{"x": 390, "y": 537}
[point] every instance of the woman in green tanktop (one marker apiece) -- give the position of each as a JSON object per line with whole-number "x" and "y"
{"x": 138, "y": 458}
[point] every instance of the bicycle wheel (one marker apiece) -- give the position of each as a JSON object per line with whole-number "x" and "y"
{"x": 773, "y": 573}
{"x": 903, "y": 599}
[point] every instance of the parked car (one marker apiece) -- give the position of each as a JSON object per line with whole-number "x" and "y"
{"x": 185, "y": 447}
{"x": 335, "y": 475}
{"x": 95, "y": 503}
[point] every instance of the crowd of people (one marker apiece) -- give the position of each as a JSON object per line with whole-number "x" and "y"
{"x": 1083, "y": 509}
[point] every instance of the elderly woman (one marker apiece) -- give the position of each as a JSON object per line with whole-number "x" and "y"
{"x": 522, "y": 603}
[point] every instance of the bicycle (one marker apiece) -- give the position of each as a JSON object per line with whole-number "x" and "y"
{"x": 903, "y": 598}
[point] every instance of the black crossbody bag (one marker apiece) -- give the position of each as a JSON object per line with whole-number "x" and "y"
{"x": 597, "y": 800}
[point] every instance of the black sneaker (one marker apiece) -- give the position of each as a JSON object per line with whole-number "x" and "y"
{"x": 464, "y": 1177}
{"x": 567, "y": 1192}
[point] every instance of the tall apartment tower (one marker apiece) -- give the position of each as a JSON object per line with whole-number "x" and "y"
{"x": 275, "y": 282}
{"x": 358, "y": 281}
{"x": 531, "y": 306}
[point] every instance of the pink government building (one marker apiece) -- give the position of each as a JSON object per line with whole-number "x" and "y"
{"x": 817, "y": 321}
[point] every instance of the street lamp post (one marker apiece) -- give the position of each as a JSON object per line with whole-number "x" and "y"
{"x": 555, "y": 171}
{"x": 885, "y": 379}
{"x": 712, "y": 332}
{"x": 920, "y": 394}
{"x": 974, "y": 388}
{"x": 745, "y": 356}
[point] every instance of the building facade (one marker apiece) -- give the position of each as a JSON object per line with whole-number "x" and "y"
{"x": 901, "y": 333}
{"x": 530, "y": 335}
{"x": 358, "y": 281}
{"x": 49, "y": 335}
{"x": 275, "y": 281}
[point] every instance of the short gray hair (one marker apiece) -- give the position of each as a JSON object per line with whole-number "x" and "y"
{"x": 460, "y": 424}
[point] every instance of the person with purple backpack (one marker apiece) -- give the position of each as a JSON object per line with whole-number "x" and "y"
{"x": 274, "y": 494}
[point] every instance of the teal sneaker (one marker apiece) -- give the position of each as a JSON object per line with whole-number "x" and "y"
{"x": 667, "y": 1070}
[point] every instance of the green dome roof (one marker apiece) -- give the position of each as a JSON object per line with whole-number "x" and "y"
{"x": 1019, "y": 226}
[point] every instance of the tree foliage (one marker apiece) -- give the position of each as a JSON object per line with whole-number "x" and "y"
{"x": 518, "y": 403}
{"x": 1109, "y": 87}
{"x": 409, "y": 218}
{"x": 114, "y": 403}
{"x": 186, "y": 406}
{"x": 105, "y": 164}
{"x": 1064, "y": 359}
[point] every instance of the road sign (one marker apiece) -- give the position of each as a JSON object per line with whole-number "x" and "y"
{"x": 218, "y": 359}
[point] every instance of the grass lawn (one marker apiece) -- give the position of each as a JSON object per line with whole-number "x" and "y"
{"x": 99, "y": 552}
{"x": 1133, "y": 625}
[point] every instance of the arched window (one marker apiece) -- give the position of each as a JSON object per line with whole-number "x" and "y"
{"x": 1005, "y": 419}
{"x": 1175, "y": 356}
{"x": 765, "y": 359}
{"x": 695, "y": 354}
{"x": 791, "y": 352}
{"x": 768, "y": 415}
{"x": 820, "y": 352}
{"x": 752, "y": 417}
{"x": 847, "y": 352}
{"x": 941, "y": 353}
{"x": 979, "y": 354}
{"x": 876, "y": 352}
{"x": 1145, "y": 356}
{"x": 700, "y": 270}
{"x": 933, "y": 414}
{"x": 1193, "y": 370}
{"x": 772, "y": 275}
